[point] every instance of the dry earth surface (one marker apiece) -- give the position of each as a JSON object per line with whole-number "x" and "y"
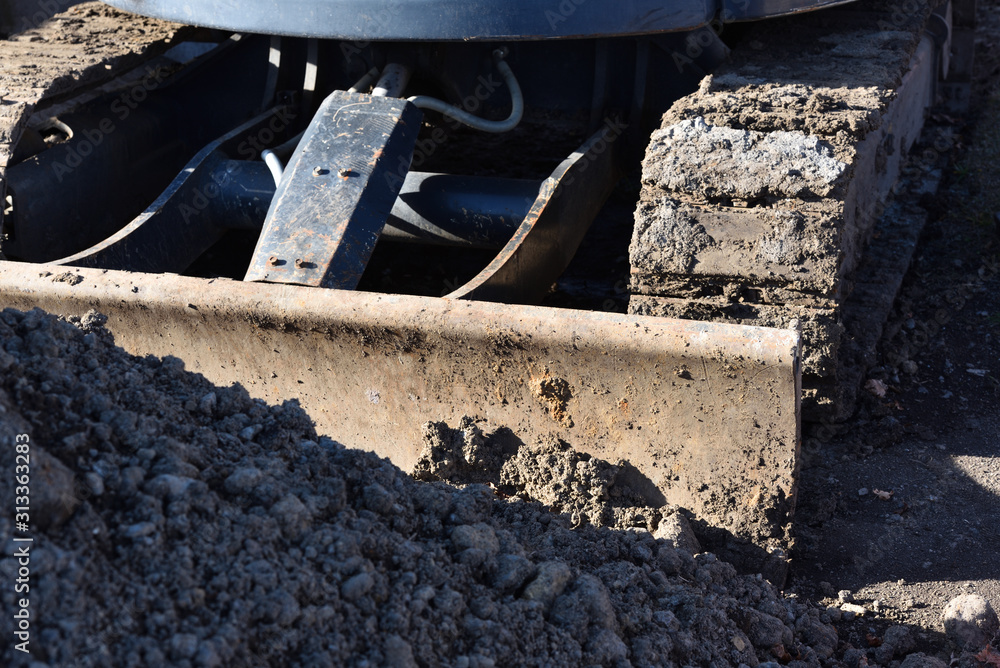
{"x": 899, "y": 506}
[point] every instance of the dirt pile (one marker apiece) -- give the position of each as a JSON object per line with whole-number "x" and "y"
{"x": 178, "y": 523}
{"x": 588, "y": 489}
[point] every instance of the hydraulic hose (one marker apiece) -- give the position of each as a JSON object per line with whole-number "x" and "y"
{"x": 273, "y": 163}
{"x": 462, "y": 116}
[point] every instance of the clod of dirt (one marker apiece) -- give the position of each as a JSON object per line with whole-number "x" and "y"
{"x": 711, "y": 161}
{"x": 969, "y": 621}
{"x": 555, "y": 394}
{"x": 588, "y": 489}
{"x": 921, "y": 660}
{"x": 190, "y": 525}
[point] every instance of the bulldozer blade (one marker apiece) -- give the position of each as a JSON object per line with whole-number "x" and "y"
{"x": 706, "y": 412}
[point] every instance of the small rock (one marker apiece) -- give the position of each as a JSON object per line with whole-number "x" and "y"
{"x": 896, "y": 641}
{"x": 850, "y": 611}
{"x": 512, "y": 571}
{"x": 378, "y": 499}
{"x": 969, "y": 621}
{"x": 845, "y": 596}
{"x": 480, "y": 661}
{"x": 764, "y": 630}
{"x": 398, "y": 652}
{"x": 130, "y": 478}
{"x": 94, "y": 483}
{"x": 676, "y": 529}
{"x": 605, "y": 648}
{"x": 207, "y": 656}
{"x": 475, "y": 536}
{"x": 586, "y": 602}
{"x": 821, "y": 637}
{"x": 53, "y": 497}
{"x": 357, "y": 586}
{"x": 140, "y": 530}
{"x": 292, "y": 515}
{"x": 921, "y": 660}
{"x": 167, "y": 485}
{"x": 183, "y": 646}
{"x": 207, "y": 403}
{"x": 552, "y": 578}
{"x": 863, "y": 491}
{"x": 243, "y": 481}
{"x": 449, "y": 602}
{"x": 248, "y": 433}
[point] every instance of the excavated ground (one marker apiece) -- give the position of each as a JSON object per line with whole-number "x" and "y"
{"x": 174, "y": 522}
{"x": 178, "y": 523}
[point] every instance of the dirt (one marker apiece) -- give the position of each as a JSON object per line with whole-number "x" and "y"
{"x": 926, "y": 436}
{"x": 177, "y": 523}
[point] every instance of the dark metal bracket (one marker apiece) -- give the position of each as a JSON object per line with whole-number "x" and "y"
{"x": 337, "y": 192}
{"x": 212, "y": 194}
{"x": 544, "y": 244}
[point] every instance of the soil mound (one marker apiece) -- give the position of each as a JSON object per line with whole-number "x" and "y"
{"x": 179, "y": 523}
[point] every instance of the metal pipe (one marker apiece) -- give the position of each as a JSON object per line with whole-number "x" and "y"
{"x": 433, "y": 209}
{"x": 449, "y": 210}
{"x": 364, "y": 82}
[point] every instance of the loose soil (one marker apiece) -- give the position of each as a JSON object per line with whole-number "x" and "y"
{"x": 927, "y": 434}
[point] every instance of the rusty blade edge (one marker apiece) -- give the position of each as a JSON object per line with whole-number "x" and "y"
{"x": 706, "y": 413}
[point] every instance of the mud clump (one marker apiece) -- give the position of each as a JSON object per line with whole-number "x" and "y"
{"x": 588, "y": 489}
{"x": 180, "y": 523}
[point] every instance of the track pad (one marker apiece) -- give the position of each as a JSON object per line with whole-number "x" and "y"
{"x": 337, "y": 192}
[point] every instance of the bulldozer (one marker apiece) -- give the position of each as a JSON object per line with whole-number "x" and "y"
{"x": 635, "y": 227}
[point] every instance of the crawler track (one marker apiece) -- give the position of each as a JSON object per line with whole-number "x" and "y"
{"x": 763, "y": 189}
{"x": 64, "y": 59}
